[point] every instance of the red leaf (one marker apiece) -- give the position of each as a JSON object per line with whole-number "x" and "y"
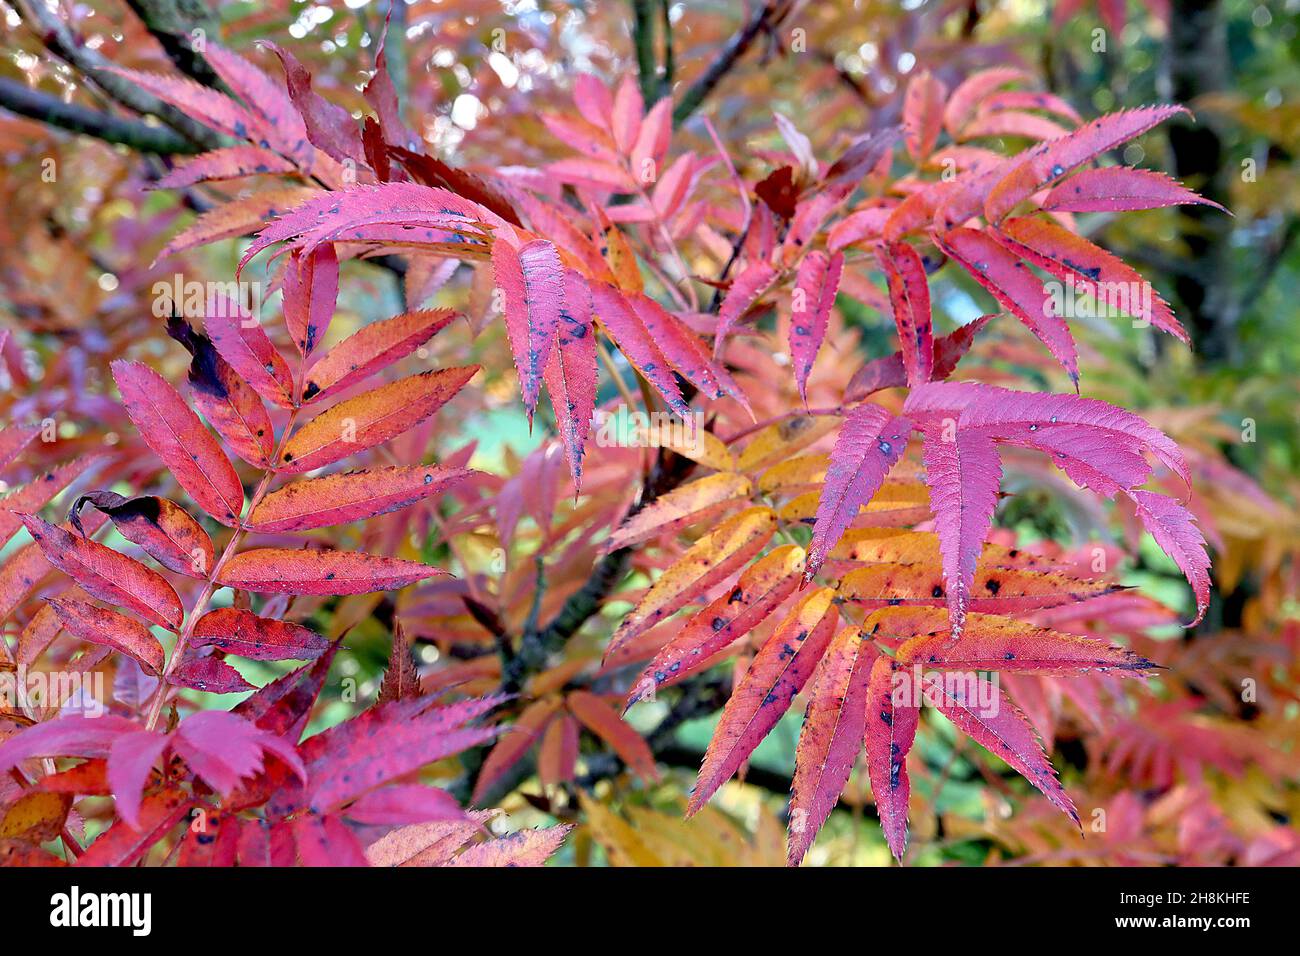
{"x": 992, "y": 643}
{"x": 230, "y": 162}
{"x": 71, "y": 736}
{"x": 162, "y": 528}
{"x": 762, "y": 587}
{"x": 709, "y": 561}
{"x": 963, "y": 473}
{"x": 869, "y": 444}
{"x": 1116, "y": 286}
{"x": 815, "y": 286}
{"x": 513, "y": 744}
{"x": 108, "y": 575}
{"x": 130, "y": 763}
{"x": 371, "y": 418}
{"x": 685, "y": 351}
{"x": 240, "y": 339}
{"x": 922, "y": 114}
{"x": 1016, "y": 288}
{"x": 224, "y": 748}
{"x": 101, "y": 626}
{"x": 972, "y": 91}
{"x": 748, "y": 287}
{"x": 330, "y": 128}
{"x": 228, "y": 402}
{"x": 284, "y": 705}
{"x": 570, "y": 374}
{"x": 404, "y": 804}
{"x": 888, "y": 372}
{"x": 177, "y": 436}
{"x": 532, "y": 281}
{"x": 831, "y": 739}
{"x": 1000, "y": 729}
{"x": 235, "y": 631}
{"x": 603, "y": 721}
{"x": 311, "y": 287}
{"x": 890, "y": 731}
{"x": 356, "y": 495}
{"x": 777, "y": 673}
{"x": 1048, "y": 162}
{"x": 289, "y": 571}
{"x": 210, "y": 675}
{"x": 123, "y": 844}
{"x": 641, "y": 350}
{"x": 1118, "y": 188}
{"x": 343, "y": 762}
{"x": 371, "y": 349}
{"x": 326, "y": 841}
{"x": 909, "y": 295}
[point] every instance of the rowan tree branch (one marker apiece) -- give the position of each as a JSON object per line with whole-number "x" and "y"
{"x": 768, "y": 16}
{"x": 59, "y": 39}
{"x": 45, "y": 107}
{"x": 176, "y": 25}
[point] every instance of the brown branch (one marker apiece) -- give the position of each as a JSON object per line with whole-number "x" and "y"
{"x": 59, "y": 40}
{"x": 49, "y": 109}
{"x": 769, "y": 16}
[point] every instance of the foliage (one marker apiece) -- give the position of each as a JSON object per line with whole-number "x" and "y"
{"x": 718, "y": 511}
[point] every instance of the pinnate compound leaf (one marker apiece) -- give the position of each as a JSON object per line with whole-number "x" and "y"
{"x": 778, "y": 672}
{"x": 870, "y": 443}
{"x": 176, "y": 435}
{"x": 832, "y": 735}
{"x": 108, "y": 575}
{"x": 290, "y": 571}
{"x": 373, "y": 417}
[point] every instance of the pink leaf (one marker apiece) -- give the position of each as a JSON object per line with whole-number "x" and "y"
{"x": 890, "y": 730}
{"x": 815, "y": 286}
{"x": 870, "y": 443}
{"x": 1174, "y": 530}
{"x": 532, "y": 280}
